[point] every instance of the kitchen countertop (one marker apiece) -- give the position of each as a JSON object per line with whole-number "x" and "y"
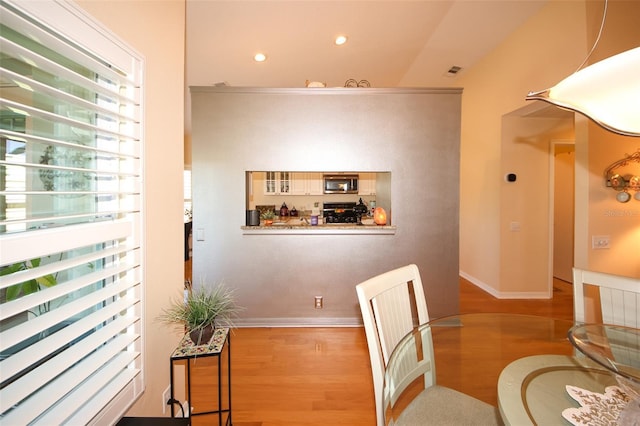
{"x": 300, "y": 227}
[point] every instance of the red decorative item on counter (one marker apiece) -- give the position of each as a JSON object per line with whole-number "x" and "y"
{"x": 379, "y": 216}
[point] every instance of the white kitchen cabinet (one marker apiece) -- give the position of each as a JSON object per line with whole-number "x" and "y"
{"x": 277, "y": 183}
{"x": 306, "y": 183}
{"x": 367, "y": 184}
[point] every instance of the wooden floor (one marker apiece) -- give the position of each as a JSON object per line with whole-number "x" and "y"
{"x": 321, "y": 376}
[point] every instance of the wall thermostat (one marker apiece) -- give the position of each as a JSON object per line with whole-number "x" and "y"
{"x": 511, "y": 177}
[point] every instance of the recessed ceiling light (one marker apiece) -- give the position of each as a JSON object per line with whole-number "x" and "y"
{"x": 260, "y": 57}
{"x": 340, "y": 40}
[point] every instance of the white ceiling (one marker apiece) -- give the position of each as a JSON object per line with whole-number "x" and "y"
{"x": 391, "y": 43}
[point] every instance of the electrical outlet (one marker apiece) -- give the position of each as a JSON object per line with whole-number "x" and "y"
{"x": 318, "y": 302}
{"x": 166, "y": 395}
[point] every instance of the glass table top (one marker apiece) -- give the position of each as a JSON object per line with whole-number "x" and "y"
{"x": 468, "y": 351}
{"x": 616, "y": 348}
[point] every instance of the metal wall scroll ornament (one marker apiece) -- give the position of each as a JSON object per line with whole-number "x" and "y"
{"x": 623, "y": 183}
{"x": 354, "y": 83}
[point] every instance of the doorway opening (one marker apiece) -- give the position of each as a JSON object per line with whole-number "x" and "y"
{"x": 562, "y": 207}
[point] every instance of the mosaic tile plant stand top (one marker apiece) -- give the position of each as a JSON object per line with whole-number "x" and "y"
{"x": 186, "y": 348}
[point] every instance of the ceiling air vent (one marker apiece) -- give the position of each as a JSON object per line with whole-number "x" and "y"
{"x": 453, "y": 71}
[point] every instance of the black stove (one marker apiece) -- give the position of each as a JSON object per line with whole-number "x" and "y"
{"x": 340, "y": 213}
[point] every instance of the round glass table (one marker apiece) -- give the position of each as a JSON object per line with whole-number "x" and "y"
{"x": 616, "y": 348}
{"x": 523, "y": 365}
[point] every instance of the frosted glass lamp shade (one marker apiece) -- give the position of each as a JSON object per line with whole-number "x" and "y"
{"x": 607, "y": 92}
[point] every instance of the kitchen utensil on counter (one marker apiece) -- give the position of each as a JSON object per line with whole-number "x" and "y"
{"x": 284, "y": 210}
{"x": 361, "y": 208}
{"x": 253, "y": 218}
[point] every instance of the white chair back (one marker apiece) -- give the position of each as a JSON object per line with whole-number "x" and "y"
{"x": 619, "y": 298}
{"x": 388, "y": 315}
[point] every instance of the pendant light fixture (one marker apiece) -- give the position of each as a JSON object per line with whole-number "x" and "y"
{"x": 607, "y": 92}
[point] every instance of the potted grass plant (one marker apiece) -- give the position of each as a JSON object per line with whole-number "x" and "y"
{"x": 268, "y": 217}
{"x": 204, "y": 309}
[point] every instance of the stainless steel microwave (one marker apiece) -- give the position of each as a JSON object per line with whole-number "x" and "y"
{"x": 340, "y": 184}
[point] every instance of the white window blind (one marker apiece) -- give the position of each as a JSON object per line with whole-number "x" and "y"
{"x": 71, "y": 254}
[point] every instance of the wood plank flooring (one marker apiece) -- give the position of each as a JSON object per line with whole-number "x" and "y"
{"x": 321, "y": 376}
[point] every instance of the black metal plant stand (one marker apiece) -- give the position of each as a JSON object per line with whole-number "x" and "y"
{"x": 220, "y": 347}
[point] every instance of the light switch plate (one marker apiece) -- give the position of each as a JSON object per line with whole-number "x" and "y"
{"x": 599, "y": 242}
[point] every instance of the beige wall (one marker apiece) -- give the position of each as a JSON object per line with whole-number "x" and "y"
{"x": 156, "y": 30}
{"x": 606, "y": 216}
{"x": 600, "y": 213}
{"x": 493, "y": 88}
{"x": 550, "y": 46}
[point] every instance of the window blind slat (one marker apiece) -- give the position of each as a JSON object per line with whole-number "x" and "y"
{"x": 45, "y": 373}
{"x": 59, "y": 44}
{"x": 61, "y": 95}
{"x": 101, "y": 172}
{"x": 51, "y": 344}
{"x": 125, "y": 387}
{"x": 59, "y": 142}
{"x": 17, "y": 247}
{"x": 62, "y": 289}
{"x": 107, "y": 215}
{"x": 73, "y": 410}
{"x": 37, "y": 325}
{"x": 23, "y": 109}
{"x": 52, "y": 268}
{"x": 13, "y": 49}
{"x": 56, "y": 390}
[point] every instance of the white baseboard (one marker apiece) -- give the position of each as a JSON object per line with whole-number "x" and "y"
{"x": 357, "y": 322}
{"x": 298, "y": 322}
{"x": 504, "y": 295}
